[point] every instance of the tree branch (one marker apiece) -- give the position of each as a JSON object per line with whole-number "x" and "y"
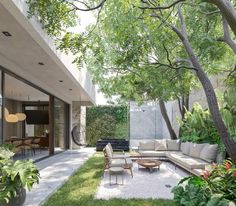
{"x": 88, "y": 8}
{"x": 160, "y": 7}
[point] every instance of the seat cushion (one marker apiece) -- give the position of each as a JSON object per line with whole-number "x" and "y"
{"x": 187, "y": 161}
{"x": 150, "y": 145}
{"x": 153, "y": 153}
{"x": 121, "y": 163}
{"x": 209, "y": 152}
{"x": 160, "y": 145}
{"x": 195, "y": 150}
{"x": 173, "y": 145}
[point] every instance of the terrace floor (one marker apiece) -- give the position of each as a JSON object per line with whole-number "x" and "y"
{"x": 54, "y": 171}
{"x": 144, "y": 184}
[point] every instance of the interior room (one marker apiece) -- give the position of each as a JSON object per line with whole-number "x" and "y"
{"x": 26, "y": 119}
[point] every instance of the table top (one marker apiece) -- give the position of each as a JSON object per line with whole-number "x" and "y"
{"x": 148, "y": 162}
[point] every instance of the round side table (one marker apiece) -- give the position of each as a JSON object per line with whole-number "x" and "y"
{"x": 116, "y": 171}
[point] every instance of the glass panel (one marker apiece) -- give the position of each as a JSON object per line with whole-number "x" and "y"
{"x": 24, "y": 123}
{"x": 59, "y": 125}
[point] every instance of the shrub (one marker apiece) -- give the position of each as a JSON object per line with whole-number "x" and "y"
{"x": 198, "y": 126}
{"x": 15, "y": 175}
{"x": 103, "y": 127}
{"x": 216, "y": 187}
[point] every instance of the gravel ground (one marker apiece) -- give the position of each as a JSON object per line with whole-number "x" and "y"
{"x": 144, "y": 184}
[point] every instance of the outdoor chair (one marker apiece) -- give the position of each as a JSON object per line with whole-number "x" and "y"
{"x": 110, "y": 161}
{"x": 116, "y": 154}
{"x": 35, "y": 144}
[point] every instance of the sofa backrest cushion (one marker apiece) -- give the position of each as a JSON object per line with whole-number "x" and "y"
{"x": 195, "y": 150}
{"x": 150, "y": 145}
{"x": 209, "y": 152}
{"x": 160, "y": 145}
{"x": 173, "y": 144}
{"x": 185, "y": 146}
{"x": 108, "y": 151}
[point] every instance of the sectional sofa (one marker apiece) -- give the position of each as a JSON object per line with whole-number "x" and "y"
{"x": 190, "y": 156}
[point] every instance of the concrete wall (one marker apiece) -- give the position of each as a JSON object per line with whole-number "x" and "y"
{"x": 146, "y": 122}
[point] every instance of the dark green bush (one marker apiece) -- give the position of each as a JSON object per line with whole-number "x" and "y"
{"x": 106, "y": 122}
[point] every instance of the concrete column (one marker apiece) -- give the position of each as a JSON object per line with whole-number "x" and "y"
{"x": 79, "y": 120}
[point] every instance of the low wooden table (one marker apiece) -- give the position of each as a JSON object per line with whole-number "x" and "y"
{"x": 149, "y": 163}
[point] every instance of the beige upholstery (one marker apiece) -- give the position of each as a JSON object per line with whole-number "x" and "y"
{"x": 109, "y": 161}
{"x": 192, "y": 157}
{"x": 185, "y": 147}
{"x": 150, "y": 145}
{"x": 186, "y": 161}
{"x": 209, "y": 152}
{"x": 121, "y": 163}
{"x": 152, "y": 153}
{"x": 115, "y": 154}
{"x": 160, "y": 145}
{"x": 173, "y": 144}
{"x": 195, "y": 150}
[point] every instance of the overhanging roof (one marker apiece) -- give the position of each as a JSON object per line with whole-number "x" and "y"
{"x": 29, "y": 45}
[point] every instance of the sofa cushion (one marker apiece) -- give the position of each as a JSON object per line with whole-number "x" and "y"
{"x": 150, "y": 145}
{"x": 121, "y": 163}
{"x": 209, "y": 152}
{"x": 186, "y": 161}
{"x": 195, "y": 150}
{"x": 153, "y": 153}
{"x": 160, "y": 145}
{"x": 185, "y": 146}
{"x": 173, "y": 144}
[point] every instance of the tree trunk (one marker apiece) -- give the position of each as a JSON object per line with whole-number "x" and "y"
{"x": 167, "y": 120}
{"x": 227, "y": 9}
{"x": 209, "y": 92}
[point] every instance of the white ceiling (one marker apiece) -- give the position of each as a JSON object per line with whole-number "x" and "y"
{"x": 17, "y": 90}
{"x": 21, "y": 53}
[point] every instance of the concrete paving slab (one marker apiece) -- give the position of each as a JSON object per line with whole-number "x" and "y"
{"x": 54, "y": 171}
{"x": 144, "y": 184}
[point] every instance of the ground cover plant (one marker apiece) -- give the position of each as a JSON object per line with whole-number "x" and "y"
{"x": 80, "y": 189}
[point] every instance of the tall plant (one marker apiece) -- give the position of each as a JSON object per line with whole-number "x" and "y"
{"x": 15, "y": 175}
{"x": 198, "y": 126}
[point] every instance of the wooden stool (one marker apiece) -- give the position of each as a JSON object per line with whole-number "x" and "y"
{"x": 116, "y": 171}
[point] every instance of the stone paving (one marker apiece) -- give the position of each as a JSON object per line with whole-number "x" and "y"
{"x": 144, "y": 184}
{"x": 54, "y": 171}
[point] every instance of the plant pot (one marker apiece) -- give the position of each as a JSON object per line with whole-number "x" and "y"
{"x": 18, "y": 200}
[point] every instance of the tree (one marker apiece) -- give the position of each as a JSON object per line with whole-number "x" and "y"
{"x": 176, "y": 24}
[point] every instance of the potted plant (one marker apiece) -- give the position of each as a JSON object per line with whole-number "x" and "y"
{"x": 15, "y": 177}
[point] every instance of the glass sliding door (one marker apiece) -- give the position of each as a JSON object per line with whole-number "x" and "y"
{"x": 59, "y": 125}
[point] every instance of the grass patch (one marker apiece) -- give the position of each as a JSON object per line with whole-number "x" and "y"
{"x": 80, "y": 189}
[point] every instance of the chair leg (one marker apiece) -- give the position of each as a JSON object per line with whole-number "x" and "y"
{"x": 131, "y": 172}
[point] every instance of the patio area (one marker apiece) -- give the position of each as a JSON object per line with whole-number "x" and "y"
{"x": 144, "y": 184}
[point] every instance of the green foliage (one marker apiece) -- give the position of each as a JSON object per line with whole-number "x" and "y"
{"x": 15, "y": 175}
{"x": 81, "y": 188}
{"x": 222, "y": 180}
{"x": 216, "y": 188}
{"x": 106, "y": 122}
{"x": 198, "y": 126}
{"x": 55, "y": 16}
{"x": 103, "y": 127}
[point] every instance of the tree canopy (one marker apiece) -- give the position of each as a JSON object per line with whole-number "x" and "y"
{"x": 151, "y": 49}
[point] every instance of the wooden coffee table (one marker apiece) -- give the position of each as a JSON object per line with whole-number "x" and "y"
{"x": 149, "y": 163}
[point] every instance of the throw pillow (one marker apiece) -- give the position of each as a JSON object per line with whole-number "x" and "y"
{"x": 185, "y": 147}
{"x": 173, "y": 144}
{"x": 195, "y": 150}
{"x": 150, "y": 145}
{"x": 209, "y": 152}
{"x": 160, "y": 145}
